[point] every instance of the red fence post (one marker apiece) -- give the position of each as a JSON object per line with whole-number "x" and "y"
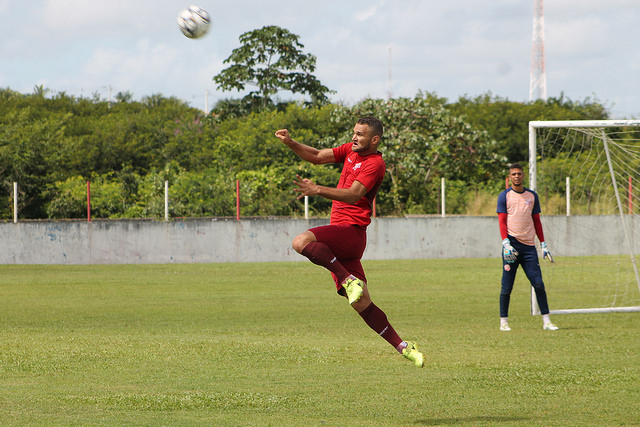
{"x": 88, "y": 202}
{"x": 237, "y": 199}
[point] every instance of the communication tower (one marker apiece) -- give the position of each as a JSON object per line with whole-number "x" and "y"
{"x": 538, "y": 76}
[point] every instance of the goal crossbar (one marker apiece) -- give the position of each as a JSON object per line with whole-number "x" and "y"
{"x": 584, "y": 123}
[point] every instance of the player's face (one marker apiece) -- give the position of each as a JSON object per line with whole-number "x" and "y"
{"x": 516, "y": 177}
{"x": 363, "y": 140}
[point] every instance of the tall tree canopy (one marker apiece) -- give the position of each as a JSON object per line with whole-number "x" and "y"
{"x": 271, "y": 59}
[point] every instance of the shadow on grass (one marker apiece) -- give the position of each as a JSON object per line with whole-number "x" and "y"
{"x": 470, "y": 420}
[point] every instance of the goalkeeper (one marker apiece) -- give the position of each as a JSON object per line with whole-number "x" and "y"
{"x": 519, "y": 218}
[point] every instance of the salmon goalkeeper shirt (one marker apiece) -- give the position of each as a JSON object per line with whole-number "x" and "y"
{"x": 520, "y": 209}
{"x": 369, "y": 171}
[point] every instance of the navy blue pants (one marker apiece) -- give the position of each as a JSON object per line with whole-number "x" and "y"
{"x": 528, "y": 258}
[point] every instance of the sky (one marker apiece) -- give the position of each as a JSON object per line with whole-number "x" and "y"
{"x": 372, "y": 48}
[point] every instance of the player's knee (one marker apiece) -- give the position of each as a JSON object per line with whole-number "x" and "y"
{"x": 506, "y": 289}
{"x": 299, "y": 243}
{"x": 538, "y": 285}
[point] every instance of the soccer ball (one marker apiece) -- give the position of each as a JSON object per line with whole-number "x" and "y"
{"x": 194, "y": 22}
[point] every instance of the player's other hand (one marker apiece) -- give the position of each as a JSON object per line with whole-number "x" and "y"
{"x": 546, "y": 254}
{"x": 508, "y": 253}
{"x": 306, "y": 187}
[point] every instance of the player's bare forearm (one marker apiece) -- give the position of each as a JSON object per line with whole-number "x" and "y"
{"x": 305, "y": 152}
{"x": 306, "y": 187}
{"x": 345, "y": 195}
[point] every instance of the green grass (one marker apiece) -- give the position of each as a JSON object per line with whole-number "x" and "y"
{"x": 272, "y": 344}
{"x": 591, "y": 282}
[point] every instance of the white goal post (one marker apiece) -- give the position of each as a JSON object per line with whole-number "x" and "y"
{"x": 600, "y": 153}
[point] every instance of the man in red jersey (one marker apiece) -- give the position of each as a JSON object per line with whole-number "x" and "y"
{"x": 339, "y": 246}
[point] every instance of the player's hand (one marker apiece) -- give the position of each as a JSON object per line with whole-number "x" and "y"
{"x": 306, "y": 187}
{"x": 283, "y": 135}
{"x": 546, "y": 254}
{"x": 508, "y": 253}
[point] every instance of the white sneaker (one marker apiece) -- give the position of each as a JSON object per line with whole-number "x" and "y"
{"x": 505, "y": 327}
{"x": 550, "y": 327}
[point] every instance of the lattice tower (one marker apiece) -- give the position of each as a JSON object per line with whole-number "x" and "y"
{"x": 538, "y": 76}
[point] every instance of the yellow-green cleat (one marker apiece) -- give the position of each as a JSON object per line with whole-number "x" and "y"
{"x": 354, "y": 288}
{"x": 412, "y": 353}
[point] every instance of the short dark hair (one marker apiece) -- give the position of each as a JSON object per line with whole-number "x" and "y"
{"x": 374, "y": 123}
{"x": 516, "y": 166}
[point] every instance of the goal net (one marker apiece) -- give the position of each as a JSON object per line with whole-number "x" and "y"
{"x": 587, "y": 176}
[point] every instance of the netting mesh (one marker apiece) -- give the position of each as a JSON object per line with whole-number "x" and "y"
{"x": 591, "y": 176}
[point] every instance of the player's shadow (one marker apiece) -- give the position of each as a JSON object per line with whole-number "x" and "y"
{"x": 470, "y": 420}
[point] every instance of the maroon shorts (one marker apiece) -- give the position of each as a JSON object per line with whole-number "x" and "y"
{"x": 347, "y": 243}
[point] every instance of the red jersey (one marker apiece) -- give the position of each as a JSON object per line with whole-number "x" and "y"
{"x": 369, "y": 171}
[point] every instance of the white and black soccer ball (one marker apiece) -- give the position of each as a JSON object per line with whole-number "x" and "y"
{"x": 194, "y": 22}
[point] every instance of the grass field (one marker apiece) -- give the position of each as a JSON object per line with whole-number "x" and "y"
{"x": 272, "y": 344}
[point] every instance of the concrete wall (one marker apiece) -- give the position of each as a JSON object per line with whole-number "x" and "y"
{"x": 265, "y": 240}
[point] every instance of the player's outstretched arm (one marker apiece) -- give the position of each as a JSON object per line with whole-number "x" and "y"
{"x": 305, "y": 152}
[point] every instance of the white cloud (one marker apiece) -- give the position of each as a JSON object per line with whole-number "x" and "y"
{"x": 366, "y": 14}
{"x": 152, "y": 68}
{"x": 579, "y": 36}
{"x": 79, "y": 16}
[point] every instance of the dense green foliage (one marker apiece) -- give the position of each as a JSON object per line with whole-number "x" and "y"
{"x": 506, "y": 120}
{"x": 52, "y": 145}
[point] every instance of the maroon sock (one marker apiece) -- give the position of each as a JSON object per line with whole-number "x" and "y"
{"x": 377, "y": 320}
{"x": 320, "y": 254}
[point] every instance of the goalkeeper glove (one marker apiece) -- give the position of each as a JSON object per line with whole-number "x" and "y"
{"x": 508, "y": 253}
{"x": 545, "y": 251}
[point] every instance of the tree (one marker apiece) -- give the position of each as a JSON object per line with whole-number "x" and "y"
{"x": 124, "y": 96}
{"x": 508, "y": 121}
{"x": 271, "y": 59}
